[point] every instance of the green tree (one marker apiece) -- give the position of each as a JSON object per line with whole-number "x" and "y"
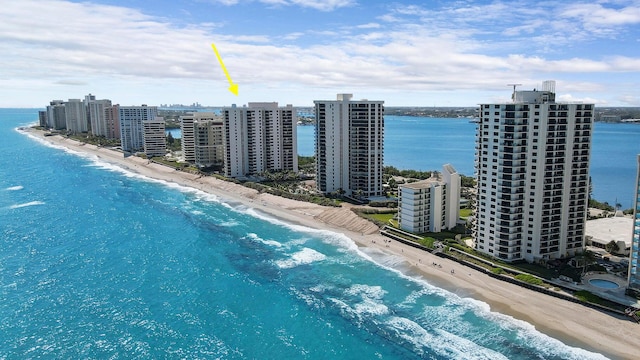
{"x": 612, "y": 247}
{"x": 170, "y": 139}
{"x": 588, "y": 258}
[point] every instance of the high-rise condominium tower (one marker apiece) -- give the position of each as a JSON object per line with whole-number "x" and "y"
{"x": 154, "y": 137}
{"x": 349, "y": 146}
{"x": 76, "y": 116}
{"x": 202, "y": 138}
{"x": 131, "y": 128}
{"x": 532, "y": 168}
{"x": 56, "y": 115}
{"x": 634, "y": 269}
{"x": 260, "y": 137}
{"x": 98, "y": 117}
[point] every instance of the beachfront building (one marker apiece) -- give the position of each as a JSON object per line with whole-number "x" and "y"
{"x": 349, "y": 146}
{"x": 259, "y": 137}
{"x": 634, "y": 268}
{"x": 76, "y": 116}
{"x": 203, "y": 139}
{"x": 112, "y": 121}
{"x": 42, "y": 118}
{"x": 56, "y": 115}
{"x": 131, "y": 127}
{"x": 209, "y": 142}
{"x": 96, "y": 112}
{"x": 532, "y": 168}
{"x": 188, "y": 139}
{"x": 155, "y": 141}
{"x": 430, "y": 205}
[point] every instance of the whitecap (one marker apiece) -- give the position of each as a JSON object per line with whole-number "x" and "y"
{"x": 257, "y": 238}
{"x": 302, "y": 257}
{"x": 31, "y": 203}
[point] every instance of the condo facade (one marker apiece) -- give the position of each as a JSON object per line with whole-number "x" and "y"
{"x": 430, "y": 205}
{"x": 76, "y": 116}
{"x": 260, "y": 137}
{"x": 532, "y": 169}
{"x": 56, "y": 115}
{"x": 634, "y": 269}
{"x": 155, "y": 142}
{"x": 112, "y": 121}
{"x": 202, "y": 139}
{"x": 96, "y": 113}
{"x": 131, "y": 125}
{"x": 349, "y": 141}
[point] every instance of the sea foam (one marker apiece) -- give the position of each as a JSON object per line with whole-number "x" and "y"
{"x": 302, "y": 257}
{"x": 30, "y": 203}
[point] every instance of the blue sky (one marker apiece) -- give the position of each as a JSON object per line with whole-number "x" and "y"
{"x": 427, "y": 53}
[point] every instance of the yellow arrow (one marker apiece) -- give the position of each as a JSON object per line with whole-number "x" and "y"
{"x": 233, "y": 87}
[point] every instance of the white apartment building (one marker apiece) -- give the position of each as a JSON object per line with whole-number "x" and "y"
{"x": 154, "y": 137}
{"x": 131, "y": 128}
{"x": 532, "y": 168}
{"x": 349, "y": 142}
{"x": 76, "y": 116}
{"x": 203, "y": 139}
{"x": 430, "y": 205}
{"x": 634, "y": 269}
{"x": 96, "y": 110}
{"x": 260, "y": 137}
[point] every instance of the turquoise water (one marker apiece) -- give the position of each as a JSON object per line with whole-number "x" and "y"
{"x": 96, "y": 262}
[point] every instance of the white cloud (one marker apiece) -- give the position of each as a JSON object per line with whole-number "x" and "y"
{"x": 322, "y": 5}
{"x": 370, "y": 25}
{"x": 572, "y": 99}
{"x": 90, "y": 43}
{"x": 629, "y": 100}
{"x": 596, "y": 14}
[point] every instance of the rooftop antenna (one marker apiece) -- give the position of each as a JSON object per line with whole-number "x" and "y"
{"x": 513, "y": 96}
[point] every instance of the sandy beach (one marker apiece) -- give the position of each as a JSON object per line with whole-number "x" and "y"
{"x": 571, "y": 323}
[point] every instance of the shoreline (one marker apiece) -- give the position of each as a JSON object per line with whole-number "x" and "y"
{"x": 573, "y": 324}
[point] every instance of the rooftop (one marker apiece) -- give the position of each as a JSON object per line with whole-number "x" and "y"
{"x": 618, "y": 228}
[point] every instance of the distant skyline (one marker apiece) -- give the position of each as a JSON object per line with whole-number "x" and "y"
{"x": 407, "y": 53}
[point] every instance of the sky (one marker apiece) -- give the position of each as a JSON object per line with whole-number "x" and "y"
{"x": 407, "y": 53}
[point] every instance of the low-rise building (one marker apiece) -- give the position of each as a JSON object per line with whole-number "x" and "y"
{"x": 430, "y": 205}
{"x": 600, "y": 232}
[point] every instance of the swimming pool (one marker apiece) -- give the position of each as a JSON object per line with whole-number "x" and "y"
{"x": 605, "y": 284}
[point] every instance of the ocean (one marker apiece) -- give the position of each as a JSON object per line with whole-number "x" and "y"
{"x": 97, "y": 262}
{"x": 422, "y": 143}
